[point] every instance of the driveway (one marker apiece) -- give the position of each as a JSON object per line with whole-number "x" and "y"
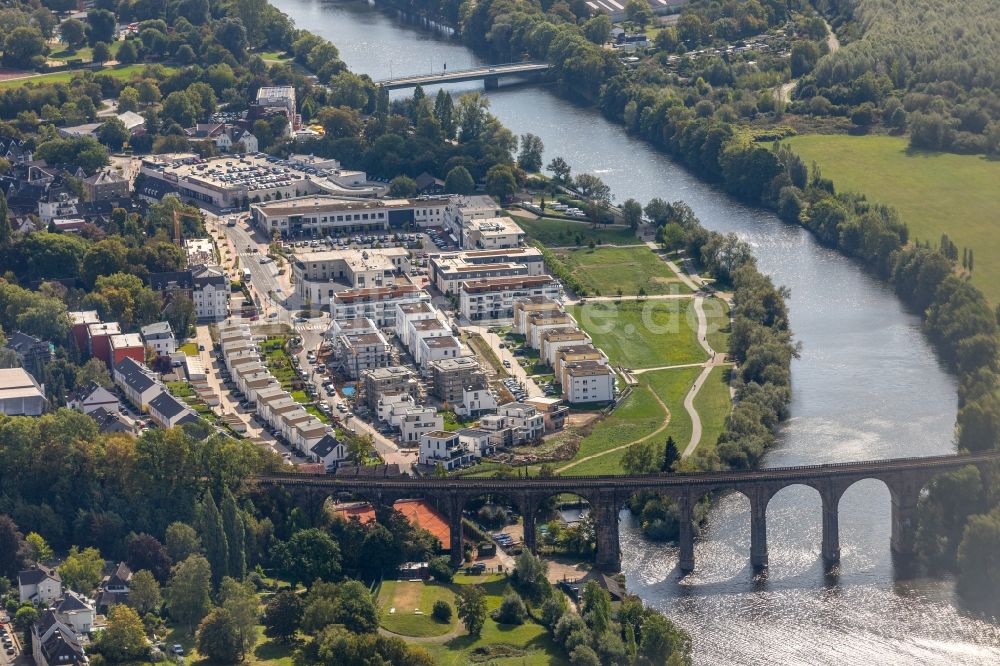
{"x": 515, "y": 370}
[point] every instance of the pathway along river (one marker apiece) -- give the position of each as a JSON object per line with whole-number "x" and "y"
{"x": 866, "y": 386}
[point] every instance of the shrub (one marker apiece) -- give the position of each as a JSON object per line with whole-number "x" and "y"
{"x": 440, "y": 570}
{"x": 441, "y": 611}
{"x": 511, "y": 610}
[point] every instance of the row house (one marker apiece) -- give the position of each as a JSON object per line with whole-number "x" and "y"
{"x": 137, "y": 382}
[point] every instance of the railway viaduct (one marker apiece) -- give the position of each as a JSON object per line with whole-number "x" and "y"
{"x": 904, "y": 477}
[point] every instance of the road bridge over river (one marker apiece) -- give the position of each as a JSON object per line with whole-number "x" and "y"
{"x": 904, "y": 477}
{"x": 489, "y": 74}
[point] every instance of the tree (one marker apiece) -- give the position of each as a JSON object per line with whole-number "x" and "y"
{"x": 37, "y": 549}
{"x": 144, "y": 592}
{"x": 218, "y": 637}
{"x": 22, "y": 46}
{"x": 100, "y": 26}
{"x": 441, "y": 611}
{"x": 978, "y": 575}
{"x": 94, "y": 372}
{"x": 804, "y": 56}
{"x": 240, "y": 599}
{"x": 598, "y": 29}
{"x": 530, "y": 157}
{"x": 444, "y": 112}
{"x": 81, "y": 570}
{"x": 670, "y": 455}
{"x": 661, "y": 639}
{"x": 181, "y": 540}
{"x": 25, "y": 617}
{"x": 440, "y": 570}
{"x": 124, "y": 637}
{"x": 6, "y": 230}
{"x": 500, "y": 182}
{"x": 308, "y": 556}
{"x": 349, "y": 604}
{"x": 180, "y": 312}
{"x": 146, "y": 552}
{"x": 101, "y": 52}
{"x": 638, "y": 12}
{"x": 188, "y": 591}
{"x": 511, "y": 610}
{"x": 11, "y": 547}
{"x": 213, "y": 537}
{"x": 459, "y": 181}
{"x": 113, "y": 133}
{"x": 74, "y": 33}
{"x": 584, "y": 655}
{"x": 471, "y": 603}
{"x": 235, "y": 530}
{"x": 560, "y": 170}
{"x": 632, "y": 213}
{"x": 283, "y": 614}
{"x": 127, "y": 53}
{"x": 531, "y": 575}
{"x": 402, "y": 187}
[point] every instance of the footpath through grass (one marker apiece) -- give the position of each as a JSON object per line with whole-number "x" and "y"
{"x": 935, "y": 193}
{"x": 638, "y": 417}
{"x": 564, "y": 233}
{"x": 605, "y": 270}
{"x": 713, "y": 404}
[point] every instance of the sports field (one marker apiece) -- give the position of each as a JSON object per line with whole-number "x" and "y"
{"x": 935, "y": 193}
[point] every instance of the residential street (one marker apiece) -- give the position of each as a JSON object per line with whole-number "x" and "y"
{"x": 515, "y": 369}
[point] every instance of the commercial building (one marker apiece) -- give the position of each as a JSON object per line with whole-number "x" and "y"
{"x": 327, "y": 215}
{"x": 493, "y": 298}
{"x": 462, "y": 210}
{"x": 492, "y": 233}
{"x": 379, "y": 304}
{"x": 20, "y": 393}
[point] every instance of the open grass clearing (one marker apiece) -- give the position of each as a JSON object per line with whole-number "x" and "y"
{"x": 400, "y": 601}
{"x": 638, "y": 417}
{"x": 935, "y": 193}
{"x": 120, "y": 72}
{"x": 713, "y": 404}
{"x": 605, "y": 270}
{"x": 566, "y": 233}
{"x": 643, "y": 334}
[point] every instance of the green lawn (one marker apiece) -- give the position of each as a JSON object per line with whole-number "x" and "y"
{"x": 84, "y": 53}
{"x": 713, "y": 404}
{"x": 120, "y": 72}
{"x": 405, "y": 597}
{"x": 646, "y": 334}
{"x": 527, "y": 643}
{"x": 605, "y": 270}
{"x": 563, "y": 233}
{"x": 935, "y": 193}
{"x": 189, "y": 348}
{"x": 639, "y": 416}
{"x": 717, "y": 313}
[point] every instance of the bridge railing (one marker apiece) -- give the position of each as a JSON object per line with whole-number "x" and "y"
{"x": 459, "y": 72}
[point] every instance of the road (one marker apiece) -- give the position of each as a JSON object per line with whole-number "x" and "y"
{"x": 515, "y": 369}
{"x": 264, "y": 284}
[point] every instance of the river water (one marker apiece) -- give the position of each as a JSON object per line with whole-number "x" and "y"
{"x": 867, "y": 386}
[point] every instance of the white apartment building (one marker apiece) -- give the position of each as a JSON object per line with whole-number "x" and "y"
{"x": 461, "y": 210}
{"x": 492, "y": 233}
{"x": 555, "y": 339}
{"x": 493, "y": 298}
{"x": 408, "y": 313}
{"x": 160, "y": 338}
{"x": 319, "y": 275}
{"x": 587, "y": 381}
{"x": 539, "y": 322}
{"x": 444, "y": 448}
{"x": 450, "y": 269}
{"x": 211, "y": 293}
{"x": 380, "y": 304}
{"x": 437, "y": 349}
{"x": 515, "y": 423}
{"x": 529, "y": 305}
{"x": 476, "y": 401}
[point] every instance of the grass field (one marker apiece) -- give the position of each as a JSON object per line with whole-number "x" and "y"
{"x": 528, "y": 644}
{"x": 713, "y": 405}
{"x": 123, "y": 73}
{"x": 639, "y": 416}
{"x": 605, "y": 270}
{"x": 935, "y": 193}
{"x": 646, "y": 334}
{"x": 564, "y": 233}
{"x": 189, "y": 349}
{"x": 406, "y": 597}
{"x": 717, "y": 313}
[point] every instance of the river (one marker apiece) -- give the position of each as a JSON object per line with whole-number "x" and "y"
{"x": 867, "y": 385}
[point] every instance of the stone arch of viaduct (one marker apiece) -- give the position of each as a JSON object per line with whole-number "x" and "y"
{"x": 905, "y": 478}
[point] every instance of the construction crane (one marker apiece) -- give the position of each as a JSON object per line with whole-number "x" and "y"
{"x": 177, "y": 223}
